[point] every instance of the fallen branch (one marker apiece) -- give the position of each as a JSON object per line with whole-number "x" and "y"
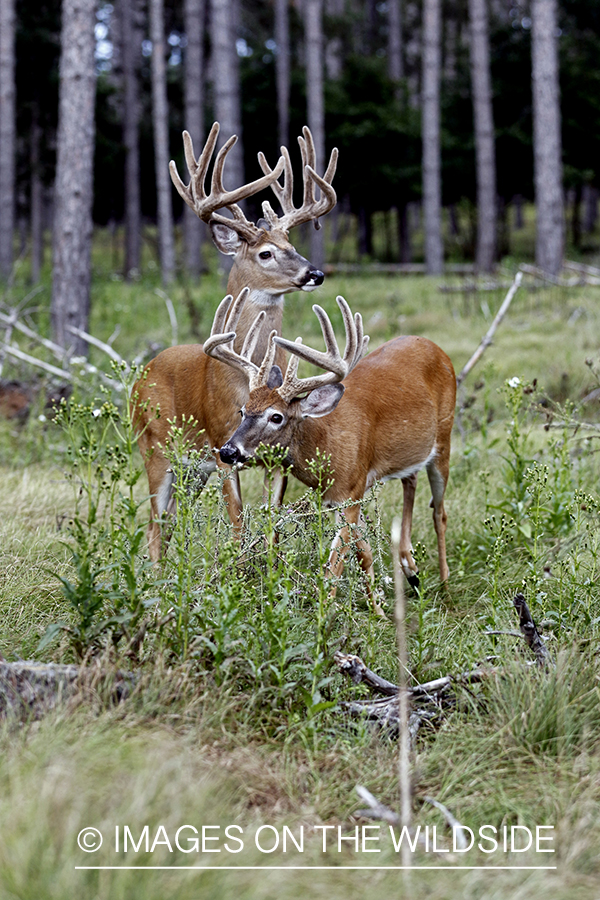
{"x": 556, "y": 280}
{"x": 487, "y": 340}
{"x": 530, "y": 632}
{"x": 457, "y": 829}
{"x": 97, "y": 343}
{"x": 376, "y": 809}
{"x": 47, "y": 367}
{"x": 354, "y": 667}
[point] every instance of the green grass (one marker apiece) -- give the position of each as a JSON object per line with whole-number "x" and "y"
{"x": 234, "y": 719}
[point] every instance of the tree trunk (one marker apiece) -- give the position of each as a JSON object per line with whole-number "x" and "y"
{"x": 226, "y": 85}
{"x": 404, "y": 236}
{"x": 194, "y": 120}
{"x": 282, "y": 70}
{"x": 160, "y": 120}
{"x": 432, "y": 184}
{"x": 547, "y": 163}
{"x": 590, "y": 202}
{"x": 7, "y": 134}
{"x": 394, "y": 42}
{"x": 334, "y": 62}
{"x": 313, "y": 41}
{"x": 37, "y": 199}
{"x": 131, "y": 113}
{"x": 484, "y": 136}
{"x": 576, "y": 217}
{"x": 73, "y": 190}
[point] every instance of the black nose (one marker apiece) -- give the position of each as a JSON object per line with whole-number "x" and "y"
{"x": 317, "y": 276}
{"x": 229, "y": 454}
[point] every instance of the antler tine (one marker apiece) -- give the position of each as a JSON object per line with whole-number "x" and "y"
{"x": 205, "y": 206}
{"x": 311, "y": 207}
{"x": 337, "y": 366}
{"x": 220, "y": 344}
{"x": 269, "y": 358}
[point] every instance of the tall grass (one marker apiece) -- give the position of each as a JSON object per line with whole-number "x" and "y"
{"x": 236, "y": 716}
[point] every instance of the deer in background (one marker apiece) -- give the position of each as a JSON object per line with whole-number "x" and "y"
{"x": 386, "y": 416}
{"x": 183, "y": 383}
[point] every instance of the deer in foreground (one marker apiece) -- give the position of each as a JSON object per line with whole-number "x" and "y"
{"x": 183, "y": 383}
{"x": 386, "y": 416}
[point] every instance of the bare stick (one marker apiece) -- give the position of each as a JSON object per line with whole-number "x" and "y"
{"x": 24, "y": 357}
{"x": 492, "y": 329}
{"x": 403, "y": 694}
{"x": 96, "y": 343}
{"x": 172, "y": 316}
{"x": 530, "y": 632}
{"x": 376, "y": 809}
{"x": 55, "y": 349}
{"x": 353, "y": 666}
{"x": 454, "y": 824}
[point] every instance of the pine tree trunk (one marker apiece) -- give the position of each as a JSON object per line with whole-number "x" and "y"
{"x": 394, "y": 43}
{"x": 73, "y": 190}
{"x": 131, "y": 114}
{"x": 36, "y": 199}
{"x": 547, "y": 163}
{"x": 432, "y": 184}
{"x": 590, "y": 202}
{"x": 334, "y": 48}
{"x": 7, "y": 134}
{"x": 160, "y": 120}
{"x": 282, "y": 70}
{"x": 313, "y": 42}
{"x": 194, "y": 120}
{"x": 484, "y": 136}
{"x": 226, "y": 85}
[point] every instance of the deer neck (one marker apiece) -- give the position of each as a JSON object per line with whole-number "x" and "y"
{"x": 257, "y": 302}
{"x": 310, "y": 437}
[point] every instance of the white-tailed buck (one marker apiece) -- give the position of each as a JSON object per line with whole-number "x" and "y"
{"x": 386, "y": 416}
{"x": 182, "y": 383}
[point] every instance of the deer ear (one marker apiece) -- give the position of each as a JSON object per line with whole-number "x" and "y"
{"x": 322, "y": 400}
{"x": 262, "y": 223}
{"x": 275, "y": 379}
{"x": 225, "y": 238}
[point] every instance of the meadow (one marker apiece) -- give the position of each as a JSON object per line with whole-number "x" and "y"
{"x": 237, "y": 715}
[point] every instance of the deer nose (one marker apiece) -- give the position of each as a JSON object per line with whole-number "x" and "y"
{"x": 317, "y": 277}
{"x": 229, "y": 454}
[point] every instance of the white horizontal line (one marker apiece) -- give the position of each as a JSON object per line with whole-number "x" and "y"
{"x": 332, "y": 868}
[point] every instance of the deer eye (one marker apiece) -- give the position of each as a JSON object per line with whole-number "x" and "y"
{"x": 277, "y": 418}
{"x": 266, "y": 254}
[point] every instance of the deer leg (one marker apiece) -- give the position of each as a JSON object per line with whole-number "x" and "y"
{"x": 438, "y": 478}
{"x": 160, "y": 483}
{"x": 276, "y": 490}
{"x": 365, "y": 559}
{"x": 232, "y": 494}
{"x": 409, "y": 566}
{"x": 347, "y": 535}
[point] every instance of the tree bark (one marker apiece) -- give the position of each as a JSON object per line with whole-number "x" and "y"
{"x": 394, "y": 42}
{"x": 131, "y": 44}
{"x": 7, "y": 134}
{"x": 432, "y": 184}
{"x": 282, "y": 70}
{"x": 226, "y": 85}
{"x": 160, "y": 119}
{"x": 547, "y": 162}
{"x": 73, "y": 191}
{"x": 484, "y": 136}
{"x": 194, "y": 120}
{"x": 334, "y": 62}
{"x": 36, "y": 199}
{"x": 313, "y": 40}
